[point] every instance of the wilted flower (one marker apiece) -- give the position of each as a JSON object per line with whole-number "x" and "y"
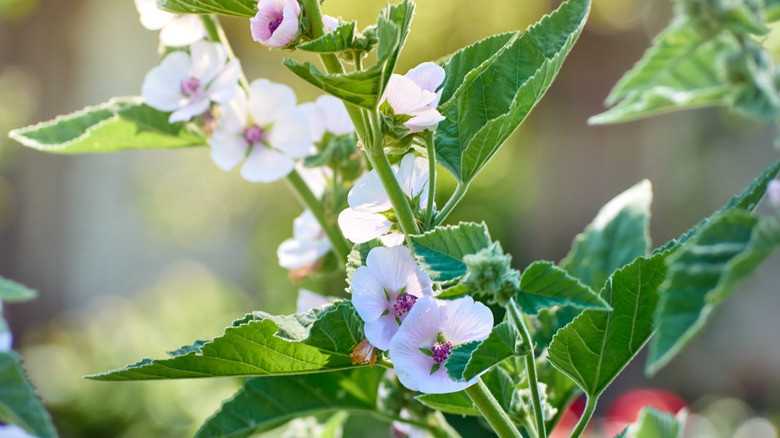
{"x": 366, "y": 218}
{"x": 187, "y": 83}
{"x": 175, "y": 30}
{"x": 364, "y": 354}
{"x": 327, "y": 114}
{"x": 431, "y": 331}
{"x": 276, "y": 22}
{"x": 269, "y": 127}
{"x": 773, "y": 192}
{"x": 415, "y": 95}
{"x": 385, "y": 290}
{"x": 307, "y": 245}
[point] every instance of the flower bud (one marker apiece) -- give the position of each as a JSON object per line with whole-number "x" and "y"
{"x": 489, "y": 275}
{"x": 276, "y": 22}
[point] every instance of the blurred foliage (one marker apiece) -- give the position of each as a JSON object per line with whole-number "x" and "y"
{"x": 17, "y": 9}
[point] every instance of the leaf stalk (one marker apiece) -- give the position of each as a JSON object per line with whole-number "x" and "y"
{"x": 492, "y": 411}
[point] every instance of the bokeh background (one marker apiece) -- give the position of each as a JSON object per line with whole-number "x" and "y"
{"x": 137, "y": 253}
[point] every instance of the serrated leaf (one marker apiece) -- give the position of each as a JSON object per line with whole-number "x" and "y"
{"x": 703, "y": 273}
{"x": 264, "y": 403}
{"x": 18, "y": 403}
{"x": 233, "y": 8}
{"x": 748, "y": 199}
{"x": 338, "y": 40}
{"x": 658, "y": 424}
{"x": 11, "y": 291}
{"x": 597, "y": 345}
{"x": 459, "y": 403}
{"x": 267, "y": 346}
{"x": 682, "y": 70}
{"x": 501, "y": 89}
{"x": 544, "y": 285}
{"x": 123, "y": 123}
{"x": 440, "y": 251}
{"x": 469, "y": 360}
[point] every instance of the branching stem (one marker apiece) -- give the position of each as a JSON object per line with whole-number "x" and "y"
{"x": 460, "y": 191}
{"x": 530, "y": 364}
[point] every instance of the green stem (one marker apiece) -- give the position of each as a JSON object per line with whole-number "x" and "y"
{"x": 431, "y": 178}
{"x": 460, "y": 191}
{"x": 308, "y": 200}
{"x": 530, "y": 364}
{"x": 444, "y": 425}
{"x": 492, "y": 411}
{"x": 590, "y": 406}
{"x": 217, "y": 34}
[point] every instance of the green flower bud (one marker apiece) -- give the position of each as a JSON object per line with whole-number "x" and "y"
{"x": 489, "y": 275}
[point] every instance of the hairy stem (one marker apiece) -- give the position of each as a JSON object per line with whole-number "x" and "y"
{"x": 492, "y": 411}
{"x": 460, "y": 191}
{"x": 530, "y": 364}
{"x": 217, "y": 34}
{"x": 431, "y": 178}
{"x": 308, "y": 200}
{"x": 590, "y": 406}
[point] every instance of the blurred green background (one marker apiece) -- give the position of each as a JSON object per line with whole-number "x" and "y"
{"x": 138, "y": 253}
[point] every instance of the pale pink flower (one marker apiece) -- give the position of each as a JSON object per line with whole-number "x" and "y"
{"x": 307, "y": 245}
{"x": 308, "y": 300}
{"x": 187, "y": 83}
{"x": 431, "y": 331}
{"x": 276, "y": 22}
{"x": 415, "y": 95}
{"x": 385, "y": 290}
{"x": 773, "y": 192}
{"x": 267, "y": 129}
{"x": 14, "y": 431}
{"x": 327, "y": 114}
{"x": 175, "y": 30}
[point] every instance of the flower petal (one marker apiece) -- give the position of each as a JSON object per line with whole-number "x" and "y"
{"x": 413, "y": 177}
{"x": 228, "y": 148}
{"x": 396, "y": 270}
{"x": 288, "y": 28}
{"x": 182, "y": 30}
{"x": 225, "y": 85}
{"x": 380, "y": 332}
{"x": 316, "y": 178}
{"x": 335, "y": 113}
{"x": 291, "y": 134}
{"x": 392, "y": 239}
{"x": 368, "y": 297}
{"x": 162, "y": 85}
{"x": 419, "y": 330}
{"x": 266, "y": 165}
{"x": 295, "y": 253}
{"x": 440, "y": 383}
{"x": 308, "y": 300}
{"x": 422, "y": 120}
{"x": 267, "y": 101}
{"x": 362, "y": 226}
{"x": 207, "y": 60}
{"x": 405, "y": 96}
{"x": 428, "y": 76}
{"x": 368, "y": 194}
{"x": 151, "y": 16}
{"x": 316, "y": 120}
{"x": 467, "y": 321}
{"x": 190, "y": 110}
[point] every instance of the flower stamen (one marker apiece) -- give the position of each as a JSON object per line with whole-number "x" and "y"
{"x": 254, "y": 134}
{"x": 190, "y": 86}
{"x": 441, "y": 351}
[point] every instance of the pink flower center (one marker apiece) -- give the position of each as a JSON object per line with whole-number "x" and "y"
{"x": 441, "y": 352}
{"x": 403, "y": 304}
{"x": 274, "y": 24}
{"x": 254, "y": 134}
{"x": 190, "y": 86}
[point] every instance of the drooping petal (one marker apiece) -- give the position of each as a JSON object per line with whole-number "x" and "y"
{"x": 428, "y": 76}
{"x": 162, "y": 85}
{"x": 267, "y": 101}
{"x": 182, "y": 30}
{"x": 362, "y": 226}
{"x": 368, "y": 194}
{"x": 368, "y": 296}
{"x": 266, "y": 165}
{"x": 426, "y": 119}
{"x": 405, "y": 96}
{"x": 225, "y": 85}
{"x": 288, "y": 28}
{"x": 291, "y": 134}
{"x": 151, "y": 16}
{"x": 467, "y": 321}
{"x": 208, "y": 59}
{"x": 413, "y": 177}
{"x": 381, "y": 331}
{"x": 190, "y": 110}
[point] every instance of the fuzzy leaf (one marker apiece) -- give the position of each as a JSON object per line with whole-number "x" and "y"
{"x": 264, "y": 403}
{"x": 18, "y": 403}
{"x": 441, "y": 250}
{"x": 259, "y": 345}
{"x": 597, "y": 345}
{"x": 469, "y": 360}
{"x": 11, "y": 291}
{"x": 544, "y": 285}
{"x": 338, "y": 40}
{"x": 233, "y": 8}
{"x": 501, "y": 88}
{"x": 703, "y": 273}
{"x": 123, "y": 123}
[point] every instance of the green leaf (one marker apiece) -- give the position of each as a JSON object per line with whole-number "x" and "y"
{"x": 594, "y": 348}
{"x": 357, "y": 257}
{"x": 623, "y": 434}
{"x": 233, "y": 8}
{"x": 469, "y": 360}
{"x": 338, "y": 40}
{"x": 748, "y": 199}
{"x": 682, "y": 69}
{"x": 18, "y": 403}
{"x": 123, "y": 123}
{"x": 264, "y": 403}
{"x": 259, "y": 345}
{"x": 703, "y": 273}
{"x": 501, "y": 87}
{"x": 619, "y": 234}
{"x": 544, "y": 285}
{"x": 658, "y": 424}
{"x": 11, "y": 291}
{"x": 441, "y": 250}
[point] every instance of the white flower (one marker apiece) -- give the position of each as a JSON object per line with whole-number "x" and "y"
{"x": 364, "y": 219}
{"x": 328, "y": 114}
{"x": 773, "y": 192}
{"x": 385, "y": 290}
{"x": 276, "y": 22}
{"x": 268, "y": 129}
{"x": 307, "y": 245}
{"x": 187, "y": 83}
{"x": 415, "y": 95}
{"x": 407, "y": 429}
{"x": 175, "y": 30}
{"x": 423, "y": 344}
{"x": 14, "y": 431}
{"x": 329, "y": 23}
{"x": 308, "y": 300}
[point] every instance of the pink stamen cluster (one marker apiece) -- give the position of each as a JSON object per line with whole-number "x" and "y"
{"x": 254, "y": 134}
{"x": 441, "y": 352}
{"x": 403, "y": 304}
{"x": 190, "y": 86}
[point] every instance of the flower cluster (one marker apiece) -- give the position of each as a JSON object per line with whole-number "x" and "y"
{"x": 394, "y": 297}
{"x": 415, "y": 96}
